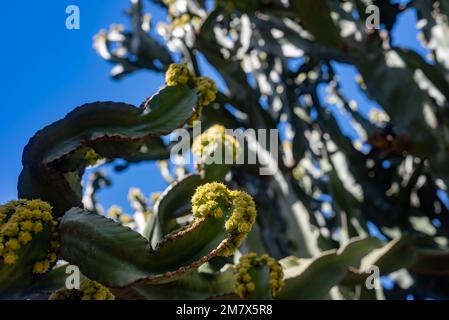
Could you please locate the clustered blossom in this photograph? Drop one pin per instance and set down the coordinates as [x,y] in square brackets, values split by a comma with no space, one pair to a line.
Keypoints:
[214,138]
[89,290]
[240,222]
[211,200]
[215,200]
[179,74]
[22,220]
[207,89]
[244,283]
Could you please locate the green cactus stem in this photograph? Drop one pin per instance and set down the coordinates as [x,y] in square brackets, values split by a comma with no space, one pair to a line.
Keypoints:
[179,74]
[56,157]
[116,256]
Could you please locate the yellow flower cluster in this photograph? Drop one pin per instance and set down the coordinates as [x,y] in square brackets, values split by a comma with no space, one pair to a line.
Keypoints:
[19,222]
[211,200]
[240,222]
[212,139]
[215,200]
[90,290]
[178,74]
[207,89]
[244,284]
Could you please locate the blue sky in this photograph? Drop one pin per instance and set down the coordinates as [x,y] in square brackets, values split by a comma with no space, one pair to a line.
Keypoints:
[47,70]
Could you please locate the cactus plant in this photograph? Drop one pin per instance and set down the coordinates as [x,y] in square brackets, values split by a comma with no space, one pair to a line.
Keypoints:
[223,217]
[224,230]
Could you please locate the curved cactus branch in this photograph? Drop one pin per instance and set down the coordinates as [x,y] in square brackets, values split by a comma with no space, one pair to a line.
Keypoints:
[116,256]
[417,254]
[54,159]
[172,203]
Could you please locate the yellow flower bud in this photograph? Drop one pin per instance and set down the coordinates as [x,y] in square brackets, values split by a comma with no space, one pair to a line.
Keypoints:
[211,140]
[25,217]
[215,200]
[39,267]
[37,227]
[207,90]
[10,258]
[26,225]
[11,229]
[210,199]
[13,244]
[250,287]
